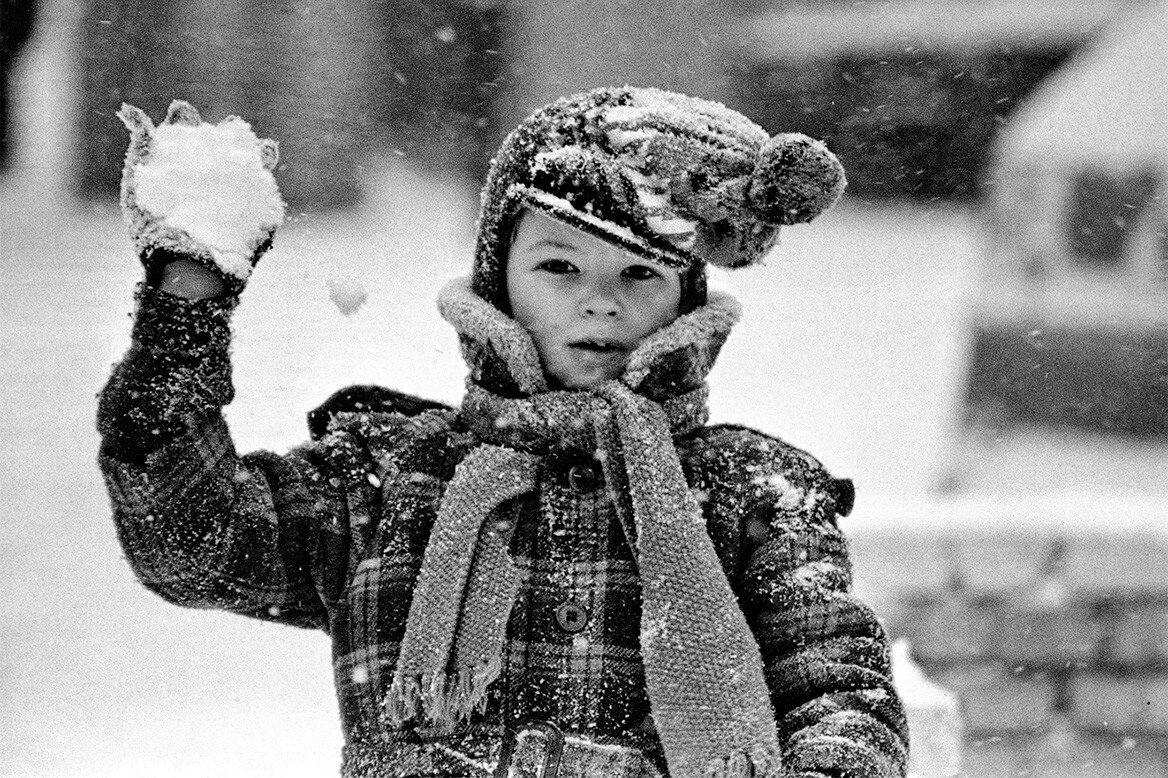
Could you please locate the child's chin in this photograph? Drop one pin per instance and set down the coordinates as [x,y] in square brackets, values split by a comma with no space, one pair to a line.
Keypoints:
[577,381]
[584,370]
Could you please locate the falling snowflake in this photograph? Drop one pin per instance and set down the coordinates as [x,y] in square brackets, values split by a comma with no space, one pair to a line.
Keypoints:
[347,295]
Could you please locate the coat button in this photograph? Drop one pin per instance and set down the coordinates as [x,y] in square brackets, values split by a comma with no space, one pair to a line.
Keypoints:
[571,617]
[583,477]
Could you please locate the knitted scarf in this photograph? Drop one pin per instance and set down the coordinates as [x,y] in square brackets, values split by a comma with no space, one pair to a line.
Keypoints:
[703,669]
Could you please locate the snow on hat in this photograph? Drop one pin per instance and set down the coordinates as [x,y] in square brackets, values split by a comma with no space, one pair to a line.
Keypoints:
[677,179]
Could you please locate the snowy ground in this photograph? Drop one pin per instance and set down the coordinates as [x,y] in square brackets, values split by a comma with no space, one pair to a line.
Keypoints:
[853,347]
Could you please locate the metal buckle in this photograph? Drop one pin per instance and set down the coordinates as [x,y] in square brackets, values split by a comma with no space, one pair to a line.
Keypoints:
[554,747]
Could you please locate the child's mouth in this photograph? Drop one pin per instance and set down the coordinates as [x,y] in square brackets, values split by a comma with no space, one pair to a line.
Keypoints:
[599,346]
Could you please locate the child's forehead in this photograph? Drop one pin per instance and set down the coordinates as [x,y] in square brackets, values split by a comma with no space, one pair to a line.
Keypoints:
[533,227]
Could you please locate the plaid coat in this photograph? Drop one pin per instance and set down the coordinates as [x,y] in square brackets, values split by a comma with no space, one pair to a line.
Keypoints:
[331,536]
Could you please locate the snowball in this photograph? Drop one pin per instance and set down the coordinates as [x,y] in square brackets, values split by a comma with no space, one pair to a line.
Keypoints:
[348,296]
[209,181]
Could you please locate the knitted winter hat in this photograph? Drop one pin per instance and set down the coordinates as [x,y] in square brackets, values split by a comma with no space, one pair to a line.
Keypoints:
[680,180]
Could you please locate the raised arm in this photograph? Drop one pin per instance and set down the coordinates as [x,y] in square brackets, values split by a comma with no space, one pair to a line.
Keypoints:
[262,535]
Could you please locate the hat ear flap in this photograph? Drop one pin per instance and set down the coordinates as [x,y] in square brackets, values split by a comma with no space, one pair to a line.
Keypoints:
[795,179]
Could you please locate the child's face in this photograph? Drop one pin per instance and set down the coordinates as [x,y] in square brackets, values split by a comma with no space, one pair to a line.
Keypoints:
[586,302]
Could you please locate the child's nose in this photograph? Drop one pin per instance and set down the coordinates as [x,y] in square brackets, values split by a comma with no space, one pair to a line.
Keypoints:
[600,303]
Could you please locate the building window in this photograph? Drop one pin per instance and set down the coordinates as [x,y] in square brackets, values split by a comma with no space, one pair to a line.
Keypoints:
[1105,210]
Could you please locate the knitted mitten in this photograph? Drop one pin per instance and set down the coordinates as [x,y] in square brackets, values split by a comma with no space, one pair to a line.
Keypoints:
[200,191]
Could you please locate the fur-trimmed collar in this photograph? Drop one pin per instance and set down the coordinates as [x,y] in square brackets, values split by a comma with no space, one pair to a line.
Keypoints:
[670,362]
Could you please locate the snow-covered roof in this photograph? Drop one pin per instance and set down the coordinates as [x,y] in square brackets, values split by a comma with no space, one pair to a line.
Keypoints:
[1109,104]
[906,26]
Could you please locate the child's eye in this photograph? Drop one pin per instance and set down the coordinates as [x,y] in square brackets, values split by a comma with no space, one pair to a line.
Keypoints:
[640,272]
[557,266]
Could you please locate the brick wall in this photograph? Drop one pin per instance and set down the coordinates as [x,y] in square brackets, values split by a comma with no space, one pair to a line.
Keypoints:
[1055,643]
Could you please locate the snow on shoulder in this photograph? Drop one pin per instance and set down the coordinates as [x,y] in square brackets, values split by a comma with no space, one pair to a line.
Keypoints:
[210,181]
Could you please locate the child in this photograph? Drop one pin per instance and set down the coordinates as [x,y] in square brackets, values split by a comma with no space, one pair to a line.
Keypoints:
[572,573]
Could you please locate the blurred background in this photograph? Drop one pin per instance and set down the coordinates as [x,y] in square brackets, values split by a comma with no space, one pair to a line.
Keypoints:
[977,334]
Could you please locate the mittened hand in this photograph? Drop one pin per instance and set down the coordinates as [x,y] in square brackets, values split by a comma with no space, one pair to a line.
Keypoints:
[200,191]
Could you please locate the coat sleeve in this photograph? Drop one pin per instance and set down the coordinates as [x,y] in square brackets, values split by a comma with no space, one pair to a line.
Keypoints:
[261,534]
[825,653]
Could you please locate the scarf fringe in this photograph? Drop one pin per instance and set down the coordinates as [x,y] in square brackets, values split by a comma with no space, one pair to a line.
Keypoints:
[761,762]
[442,700]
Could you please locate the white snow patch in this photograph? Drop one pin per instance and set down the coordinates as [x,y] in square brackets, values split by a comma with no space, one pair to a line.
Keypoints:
[789,496]
[665,107]
[812,573]
[619,139]
[680,231]
[561,204]
[209,181]
[934,717]
[656,627]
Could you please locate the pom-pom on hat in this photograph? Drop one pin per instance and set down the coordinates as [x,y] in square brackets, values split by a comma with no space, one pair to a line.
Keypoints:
[679,180]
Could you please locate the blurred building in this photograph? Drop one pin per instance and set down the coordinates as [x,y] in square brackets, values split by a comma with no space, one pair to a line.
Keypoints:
[438,75]
[334,82]
[559,48]
[1037,590]
[1053,635]
[298,73]
[1071,322]
[909,93]
[16,25]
